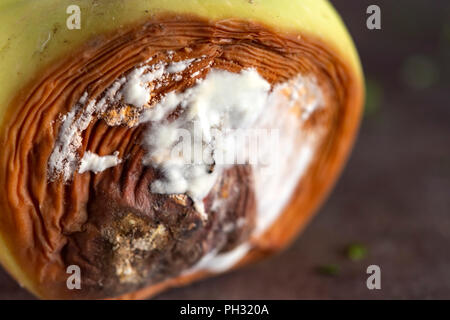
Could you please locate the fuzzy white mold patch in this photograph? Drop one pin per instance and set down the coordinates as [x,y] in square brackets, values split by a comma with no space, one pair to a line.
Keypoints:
[288,158]
[134,89]
[95,163]
[223,100]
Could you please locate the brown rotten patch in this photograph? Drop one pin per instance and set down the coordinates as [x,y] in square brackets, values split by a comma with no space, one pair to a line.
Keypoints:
[135,238]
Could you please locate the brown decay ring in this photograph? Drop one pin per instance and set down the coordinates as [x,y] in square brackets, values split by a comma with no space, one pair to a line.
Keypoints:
[51,224]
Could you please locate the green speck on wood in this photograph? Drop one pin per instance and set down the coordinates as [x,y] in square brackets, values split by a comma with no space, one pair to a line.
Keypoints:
[374,97]
[329,270]
[420,72]
[356,252]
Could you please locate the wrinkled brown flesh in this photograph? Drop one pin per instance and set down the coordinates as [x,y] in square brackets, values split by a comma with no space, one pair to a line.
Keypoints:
[49,225]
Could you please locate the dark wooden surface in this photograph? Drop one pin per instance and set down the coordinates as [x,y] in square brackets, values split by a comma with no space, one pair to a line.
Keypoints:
[394,196]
